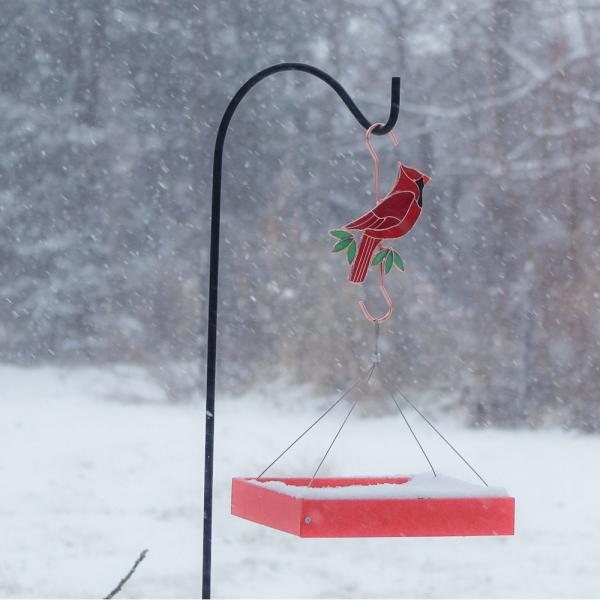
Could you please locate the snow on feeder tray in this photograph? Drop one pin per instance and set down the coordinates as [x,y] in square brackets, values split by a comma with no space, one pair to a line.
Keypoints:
[419,505]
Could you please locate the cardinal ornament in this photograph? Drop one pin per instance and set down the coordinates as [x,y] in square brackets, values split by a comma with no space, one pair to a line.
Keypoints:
[391,218]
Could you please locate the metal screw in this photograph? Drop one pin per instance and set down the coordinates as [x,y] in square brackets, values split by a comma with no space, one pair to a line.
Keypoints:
[307,520]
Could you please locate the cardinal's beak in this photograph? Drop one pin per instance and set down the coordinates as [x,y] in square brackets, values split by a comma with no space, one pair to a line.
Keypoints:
[426,180]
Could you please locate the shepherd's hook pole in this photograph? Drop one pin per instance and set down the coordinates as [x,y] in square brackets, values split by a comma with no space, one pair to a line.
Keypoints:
[211,351]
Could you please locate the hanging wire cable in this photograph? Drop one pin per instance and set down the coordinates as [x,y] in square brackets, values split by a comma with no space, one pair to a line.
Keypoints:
[335,437]
[411,430]
[439,433]
[376,358]
[344,394]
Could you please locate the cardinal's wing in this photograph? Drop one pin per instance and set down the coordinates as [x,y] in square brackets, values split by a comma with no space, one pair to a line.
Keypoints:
[395,206]
[369,219]
[394,227]
[382,229]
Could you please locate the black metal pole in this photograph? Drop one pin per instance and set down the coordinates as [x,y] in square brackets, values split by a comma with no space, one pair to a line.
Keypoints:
[215,225]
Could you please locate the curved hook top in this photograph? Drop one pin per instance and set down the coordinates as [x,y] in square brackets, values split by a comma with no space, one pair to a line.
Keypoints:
[329,80]
[380,129]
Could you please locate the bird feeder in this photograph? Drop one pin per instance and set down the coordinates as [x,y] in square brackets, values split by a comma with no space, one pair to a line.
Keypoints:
[353,507]
[411,506]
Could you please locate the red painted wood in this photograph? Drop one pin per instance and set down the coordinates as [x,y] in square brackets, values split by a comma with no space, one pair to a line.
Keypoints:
[265,506]
[408,517]
[400,517]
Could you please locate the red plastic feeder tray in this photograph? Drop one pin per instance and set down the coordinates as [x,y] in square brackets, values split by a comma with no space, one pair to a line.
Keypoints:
[374,506]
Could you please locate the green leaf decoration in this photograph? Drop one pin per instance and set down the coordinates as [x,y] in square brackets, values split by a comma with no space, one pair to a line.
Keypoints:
[389,262]
[351,252]
[340,233]
[379,257]
[398,261]
[342,244]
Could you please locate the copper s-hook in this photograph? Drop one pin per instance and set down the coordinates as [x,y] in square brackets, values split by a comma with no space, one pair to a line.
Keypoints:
[387,298]
[378,199]
[376,158]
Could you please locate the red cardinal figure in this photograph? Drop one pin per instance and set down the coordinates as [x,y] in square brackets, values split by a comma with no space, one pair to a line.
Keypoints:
[392,218]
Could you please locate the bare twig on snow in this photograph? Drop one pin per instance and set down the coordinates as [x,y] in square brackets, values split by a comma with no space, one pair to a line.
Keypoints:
[125,579]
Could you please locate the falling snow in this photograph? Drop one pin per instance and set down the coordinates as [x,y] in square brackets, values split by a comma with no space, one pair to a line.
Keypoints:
[109,115]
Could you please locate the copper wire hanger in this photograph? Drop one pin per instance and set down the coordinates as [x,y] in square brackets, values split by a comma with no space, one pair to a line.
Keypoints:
[378,199]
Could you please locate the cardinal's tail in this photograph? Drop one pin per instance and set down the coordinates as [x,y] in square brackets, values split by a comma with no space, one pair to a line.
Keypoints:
[361,263]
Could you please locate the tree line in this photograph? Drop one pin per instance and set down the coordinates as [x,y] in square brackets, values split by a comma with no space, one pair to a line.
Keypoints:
[110,109]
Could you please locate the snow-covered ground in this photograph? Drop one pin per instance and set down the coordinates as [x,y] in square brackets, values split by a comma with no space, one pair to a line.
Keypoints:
[94,468]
